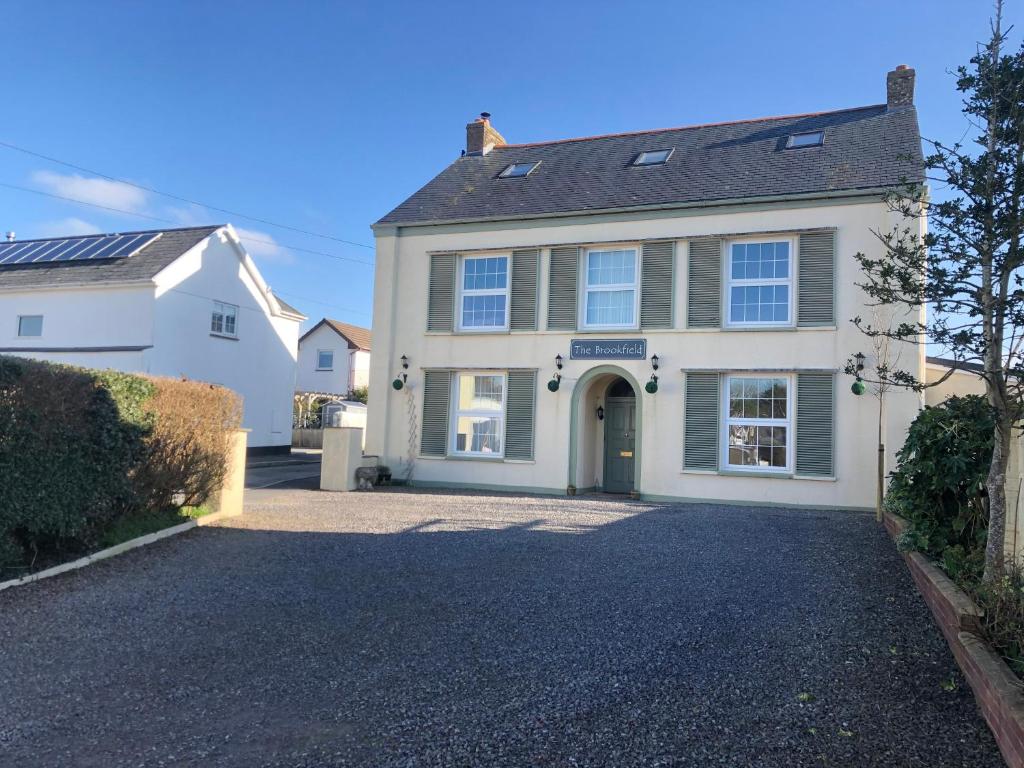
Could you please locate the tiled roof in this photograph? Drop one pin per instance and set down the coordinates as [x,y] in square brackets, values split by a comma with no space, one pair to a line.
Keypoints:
[864,148]
[356,336]
[145,264]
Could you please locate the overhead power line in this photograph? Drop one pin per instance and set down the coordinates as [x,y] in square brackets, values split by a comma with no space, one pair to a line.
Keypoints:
[84,202]
[169,221]
[180,199]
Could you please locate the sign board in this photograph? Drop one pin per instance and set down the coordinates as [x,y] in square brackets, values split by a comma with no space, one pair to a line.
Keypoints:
[608,349]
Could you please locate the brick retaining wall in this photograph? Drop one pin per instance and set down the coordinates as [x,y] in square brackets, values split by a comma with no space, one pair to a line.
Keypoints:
[998,692]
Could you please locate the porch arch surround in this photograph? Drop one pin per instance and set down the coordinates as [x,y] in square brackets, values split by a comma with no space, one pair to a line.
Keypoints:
[597,379]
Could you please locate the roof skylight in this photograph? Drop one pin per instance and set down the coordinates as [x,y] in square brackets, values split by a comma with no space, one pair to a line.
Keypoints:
[810,139]
[653,157]
[518,170]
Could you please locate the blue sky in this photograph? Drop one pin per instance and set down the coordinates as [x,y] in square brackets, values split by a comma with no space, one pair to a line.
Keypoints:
[324,115]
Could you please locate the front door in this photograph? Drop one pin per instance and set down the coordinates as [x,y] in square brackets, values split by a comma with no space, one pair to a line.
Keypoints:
[619,444]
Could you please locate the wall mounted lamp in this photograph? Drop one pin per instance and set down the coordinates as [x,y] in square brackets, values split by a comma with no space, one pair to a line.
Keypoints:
[403,377]
[600,413]
[654,362]
[558,362]
[858,387]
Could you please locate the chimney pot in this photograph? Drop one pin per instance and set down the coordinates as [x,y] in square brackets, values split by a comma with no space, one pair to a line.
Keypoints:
[481,137]
[899,86]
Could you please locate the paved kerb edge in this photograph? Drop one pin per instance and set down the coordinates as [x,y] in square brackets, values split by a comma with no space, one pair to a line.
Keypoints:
[117,549]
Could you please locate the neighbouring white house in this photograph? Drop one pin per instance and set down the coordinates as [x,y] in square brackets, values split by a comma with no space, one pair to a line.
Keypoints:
[664,313]
[334,358]
[173,302]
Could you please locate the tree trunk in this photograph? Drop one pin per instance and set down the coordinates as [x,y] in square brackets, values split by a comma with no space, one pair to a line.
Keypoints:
[996,486]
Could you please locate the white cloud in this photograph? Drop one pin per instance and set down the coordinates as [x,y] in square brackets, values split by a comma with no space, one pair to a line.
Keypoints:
[261,245]
[113,194]
[69,227]
[190,215]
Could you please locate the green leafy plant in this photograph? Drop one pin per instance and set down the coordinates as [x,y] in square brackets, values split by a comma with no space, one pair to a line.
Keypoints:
[939,484]
[358,394]
[84,452]
[1002,622]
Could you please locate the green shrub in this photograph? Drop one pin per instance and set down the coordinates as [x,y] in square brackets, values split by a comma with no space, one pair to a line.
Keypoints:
[939,484]
[81,450]
[358,394]
[1002,622]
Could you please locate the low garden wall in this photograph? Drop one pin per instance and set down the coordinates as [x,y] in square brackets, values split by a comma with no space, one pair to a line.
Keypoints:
[91,458]
[997,690]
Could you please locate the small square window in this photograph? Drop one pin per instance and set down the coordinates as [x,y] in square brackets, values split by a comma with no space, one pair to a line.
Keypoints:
[325,360]
[653,157]
[30,325]
[223,321]
[518,170]
[811,139]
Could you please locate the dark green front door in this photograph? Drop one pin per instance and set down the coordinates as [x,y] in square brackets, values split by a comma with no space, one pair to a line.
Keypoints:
[619,444]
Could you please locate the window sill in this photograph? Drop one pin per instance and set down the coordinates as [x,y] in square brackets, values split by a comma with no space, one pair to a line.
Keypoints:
[223,336]
[787,475]
[485,459]
[462,457]
[322,370]
[739,473]
[759,475]
[614,329]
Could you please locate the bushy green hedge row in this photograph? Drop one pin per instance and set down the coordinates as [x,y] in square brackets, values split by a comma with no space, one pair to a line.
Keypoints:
[939,484]
[83,449]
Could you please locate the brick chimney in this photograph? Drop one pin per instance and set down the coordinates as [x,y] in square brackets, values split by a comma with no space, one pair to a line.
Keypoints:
[899,86]
[481,137]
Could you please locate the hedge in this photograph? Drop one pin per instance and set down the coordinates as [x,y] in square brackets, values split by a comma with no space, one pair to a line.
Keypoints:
[81,450]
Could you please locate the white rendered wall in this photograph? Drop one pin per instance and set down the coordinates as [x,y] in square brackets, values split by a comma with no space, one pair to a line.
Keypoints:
[400,311]
[360,368]
[259,365]
[80,317]
[334,381]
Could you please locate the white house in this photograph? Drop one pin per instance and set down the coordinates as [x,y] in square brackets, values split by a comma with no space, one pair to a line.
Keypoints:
[173,302]
[334,358]
[664,313]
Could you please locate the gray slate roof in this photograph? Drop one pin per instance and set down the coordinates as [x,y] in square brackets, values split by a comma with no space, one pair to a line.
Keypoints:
[144,265]
[865,148]
[286,306]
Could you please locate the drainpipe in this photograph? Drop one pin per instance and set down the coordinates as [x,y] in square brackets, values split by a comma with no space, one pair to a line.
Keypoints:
[392,320]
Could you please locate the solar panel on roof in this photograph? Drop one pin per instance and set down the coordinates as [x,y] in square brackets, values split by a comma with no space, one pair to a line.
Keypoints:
[88,248]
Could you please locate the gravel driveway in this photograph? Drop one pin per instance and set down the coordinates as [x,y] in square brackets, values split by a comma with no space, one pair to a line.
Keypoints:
[424,629]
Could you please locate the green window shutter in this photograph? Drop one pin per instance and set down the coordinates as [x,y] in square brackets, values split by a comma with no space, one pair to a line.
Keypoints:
[441,301]
[565,267]
[815,426]
[700,449]
[704,284]
[437,389]
[816,288]
[656,289]
[520,403]
[523,296]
